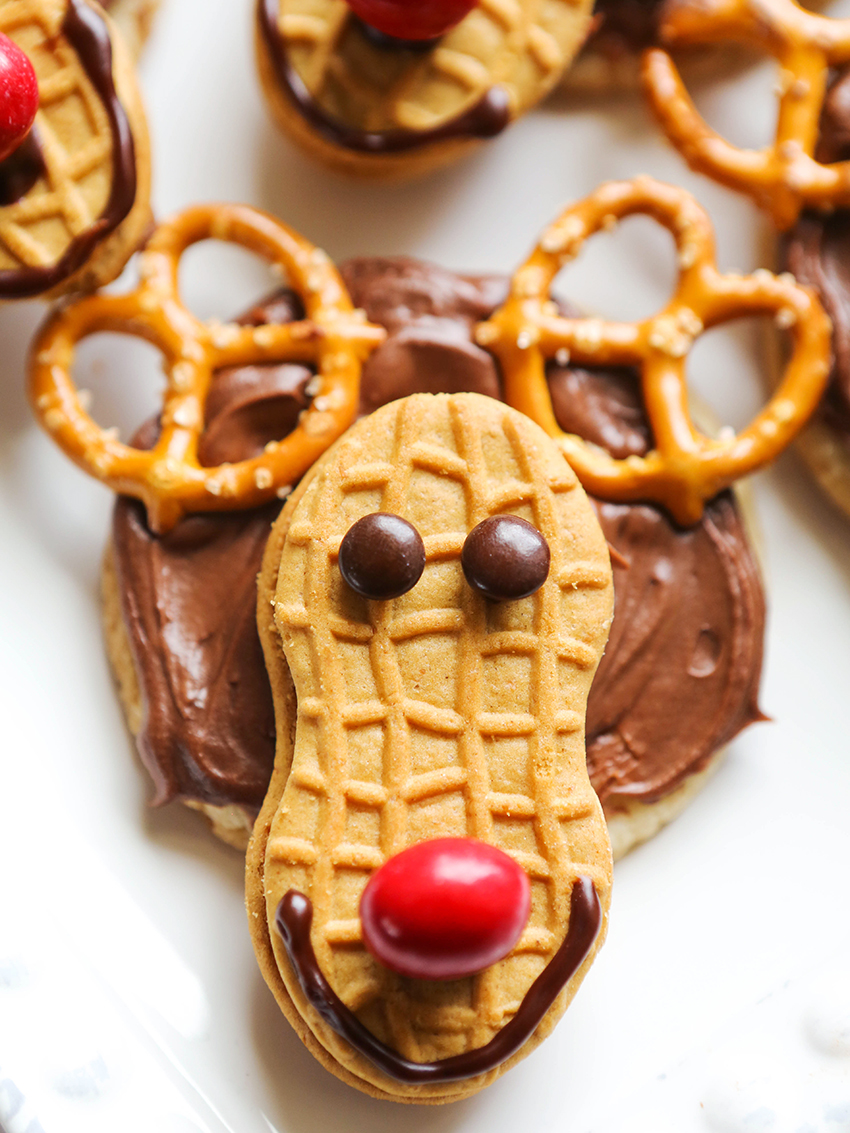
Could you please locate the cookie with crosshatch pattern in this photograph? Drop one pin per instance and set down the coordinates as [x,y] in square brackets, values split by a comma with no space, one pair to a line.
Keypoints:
[74,197]
[373,107]
[438,713]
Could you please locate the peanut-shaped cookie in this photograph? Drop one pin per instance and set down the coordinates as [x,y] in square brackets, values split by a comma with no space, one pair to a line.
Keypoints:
[439,713]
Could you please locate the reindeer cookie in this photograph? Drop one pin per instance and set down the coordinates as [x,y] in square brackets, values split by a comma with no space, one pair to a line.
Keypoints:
[449,74]
[74,189]
[439,713]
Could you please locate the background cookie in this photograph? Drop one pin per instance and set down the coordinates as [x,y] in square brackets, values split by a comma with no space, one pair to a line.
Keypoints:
[609,62]
[77,191]
[372,110]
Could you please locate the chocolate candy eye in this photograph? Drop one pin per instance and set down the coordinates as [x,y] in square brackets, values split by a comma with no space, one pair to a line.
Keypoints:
[382,556]
[505,558]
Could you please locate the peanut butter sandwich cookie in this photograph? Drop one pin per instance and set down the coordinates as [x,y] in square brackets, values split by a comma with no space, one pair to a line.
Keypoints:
[388,89]
[434,600]
[74,155]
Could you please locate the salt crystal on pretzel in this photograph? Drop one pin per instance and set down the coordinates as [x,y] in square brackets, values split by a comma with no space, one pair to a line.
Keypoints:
[685,468]
[784,177]
[169,478]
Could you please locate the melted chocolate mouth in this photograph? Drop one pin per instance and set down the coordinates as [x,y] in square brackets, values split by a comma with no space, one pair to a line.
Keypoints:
[293,921]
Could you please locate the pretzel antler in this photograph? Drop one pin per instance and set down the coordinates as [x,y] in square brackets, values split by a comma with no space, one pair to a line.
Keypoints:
[169,479]
[685,468]
[784,177]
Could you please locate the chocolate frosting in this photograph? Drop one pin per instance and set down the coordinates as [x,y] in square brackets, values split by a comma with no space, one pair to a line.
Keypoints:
[484,119]
[681,672]
[817,252]
[88,35]
[623,28]
[634,21]
[293,920]
[21,169]
[189,603]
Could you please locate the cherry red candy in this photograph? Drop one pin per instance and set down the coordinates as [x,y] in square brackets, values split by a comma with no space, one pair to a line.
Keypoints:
[18,96]
[412,19]
[444,909]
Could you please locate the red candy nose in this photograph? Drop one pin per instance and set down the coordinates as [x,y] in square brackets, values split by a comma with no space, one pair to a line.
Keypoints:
[18,96]
[445,909]
[412,19]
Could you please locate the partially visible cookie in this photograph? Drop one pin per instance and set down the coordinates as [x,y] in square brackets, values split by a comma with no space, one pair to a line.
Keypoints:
[435,714]
[74,196]
[384,109]
[133,19]
[609,61]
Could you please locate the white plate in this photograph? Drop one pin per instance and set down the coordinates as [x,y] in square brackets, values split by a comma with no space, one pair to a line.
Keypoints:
[129,995]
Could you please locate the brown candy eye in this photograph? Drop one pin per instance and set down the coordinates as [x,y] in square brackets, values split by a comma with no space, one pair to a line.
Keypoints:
[382,556]
[505,558]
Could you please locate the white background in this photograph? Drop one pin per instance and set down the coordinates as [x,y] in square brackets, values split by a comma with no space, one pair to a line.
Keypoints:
[129,994]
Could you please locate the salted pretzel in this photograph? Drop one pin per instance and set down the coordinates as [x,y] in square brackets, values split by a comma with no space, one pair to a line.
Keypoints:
[334,337]
[784,177]
[685,468]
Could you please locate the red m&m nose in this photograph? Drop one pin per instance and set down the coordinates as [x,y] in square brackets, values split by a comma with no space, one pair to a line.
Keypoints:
[18,96]
[445,909]
[412,19]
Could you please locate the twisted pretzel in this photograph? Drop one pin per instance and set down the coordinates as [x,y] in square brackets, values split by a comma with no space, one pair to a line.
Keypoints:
[684,468]
[333,337]
[784,177]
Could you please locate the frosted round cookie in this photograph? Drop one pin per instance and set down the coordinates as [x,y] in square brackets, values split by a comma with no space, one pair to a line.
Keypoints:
[667,698]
